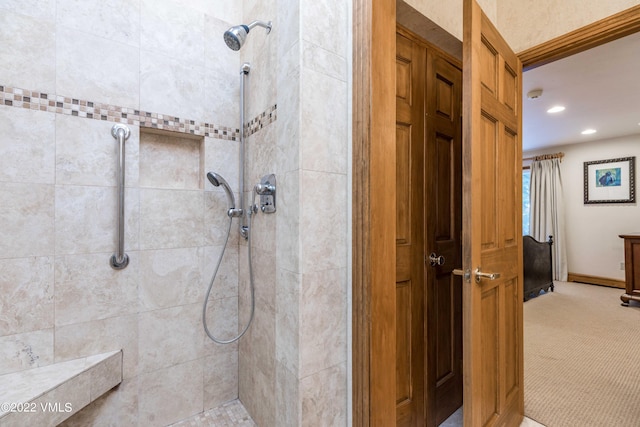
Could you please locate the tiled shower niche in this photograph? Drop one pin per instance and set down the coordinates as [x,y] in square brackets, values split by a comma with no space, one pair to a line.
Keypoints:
[170,160]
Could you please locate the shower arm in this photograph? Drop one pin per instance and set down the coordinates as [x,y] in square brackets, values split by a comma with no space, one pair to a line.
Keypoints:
[262,24]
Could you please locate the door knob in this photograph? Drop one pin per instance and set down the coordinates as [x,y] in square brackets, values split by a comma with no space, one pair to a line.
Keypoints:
[466,274]
[480,275]
[436,260]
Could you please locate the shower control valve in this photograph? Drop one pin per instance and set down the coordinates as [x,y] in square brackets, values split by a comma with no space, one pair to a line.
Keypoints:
[266,189]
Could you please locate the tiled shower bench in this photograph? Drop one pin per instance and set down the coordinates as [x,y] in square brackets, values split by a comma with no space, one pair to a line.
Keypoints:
[48,395]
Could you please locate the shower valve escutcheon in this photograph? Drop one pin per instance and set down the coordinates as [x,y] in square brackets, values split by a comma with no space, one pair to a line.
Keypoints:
[266,189]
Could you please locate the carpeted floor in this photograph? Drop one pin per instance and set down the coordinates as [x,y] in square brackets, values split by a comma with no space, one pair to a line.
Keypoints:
[582,358]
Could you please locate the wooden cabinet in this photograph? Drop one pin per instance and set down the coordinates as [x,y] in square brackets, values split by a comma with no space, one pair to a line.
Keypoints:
[632,267]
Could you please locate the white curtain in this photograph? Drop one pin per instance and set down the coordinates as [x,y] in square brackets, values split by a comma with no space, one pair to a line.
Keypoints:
[547,211]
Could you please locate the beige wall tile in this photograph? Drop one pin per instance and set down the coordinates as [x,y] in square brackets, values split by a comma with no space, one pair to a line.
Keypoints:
[26,215]
[99,18]
[222,68]
[169,28]
[322,142]
[324,396]
[289,124]
[264,230]
[170,336]
[170,277]
[27,58]
[323,61]
[118,407]
[260,85]
[262,48]
[87,153]
[330,32]
[171,86]
[27,156]
[288,25]
[223,9]
[100,336]
[86,219]
[222,321]
[222,157]
[288,222]
[256,392]
[42,9]
[288,320]
[261,155]
[226,280]
[258,350]
[112,76]
[171,218]
[323,226]
[257,367]
[26,301]
[171,394]
[288,404]
[25,351]
[220,378]
[264,271]
[87,288]
[323,321]
[216,221]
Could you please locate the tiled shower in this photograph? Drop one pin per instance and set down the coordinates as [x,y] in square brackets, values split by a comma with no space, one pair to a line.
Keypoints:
[69,71]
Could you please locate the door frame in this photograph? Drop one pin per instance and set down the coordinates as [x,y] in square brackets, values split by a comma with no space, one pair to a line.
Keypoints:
[373,190]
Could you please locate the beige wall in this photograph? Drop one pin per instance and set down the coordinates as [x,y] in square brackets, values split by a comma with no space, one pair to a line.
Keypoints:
[524,23]
[448,14]
[527,23]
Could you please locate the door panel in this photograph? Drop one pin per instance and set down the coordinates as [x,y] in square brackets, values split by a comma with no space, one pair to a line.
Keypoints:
[492,234]
[409,235]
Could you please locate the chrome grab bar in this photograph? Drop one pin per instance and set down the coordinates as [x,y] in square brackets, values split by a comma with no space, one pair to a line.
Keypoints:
[120,259]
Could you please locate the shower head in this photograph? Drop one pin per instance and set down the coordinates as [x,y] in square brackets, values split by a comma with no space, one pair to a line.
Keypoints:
[235,36]
[217,181]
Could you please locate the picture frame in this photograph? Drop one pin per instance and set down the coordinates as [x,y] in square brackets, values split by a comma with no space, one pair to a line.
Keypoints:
[610,181]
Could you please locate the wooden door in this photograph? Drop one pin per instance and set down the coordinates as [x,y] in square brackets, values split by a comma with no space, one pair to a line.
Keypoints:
[443,210]
[492,230]
[410,62]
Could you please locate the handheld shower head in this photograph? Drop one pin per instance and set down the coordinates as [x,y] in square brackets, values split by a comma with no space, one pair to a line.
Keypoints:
[217,181]
[235,36]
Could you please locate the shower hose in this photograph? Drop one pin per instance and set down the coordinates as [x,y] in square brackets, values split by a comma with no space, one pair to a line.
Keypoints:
[215,273]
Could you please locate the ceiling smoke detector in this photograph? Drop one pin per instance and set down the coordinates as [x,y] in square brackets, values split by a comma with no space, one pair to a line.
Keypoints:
[534,94]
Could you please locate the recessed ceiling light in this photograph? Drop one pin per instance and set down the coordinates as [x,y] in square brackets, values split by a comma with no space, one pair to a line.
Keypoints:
[588,131]
[555,109]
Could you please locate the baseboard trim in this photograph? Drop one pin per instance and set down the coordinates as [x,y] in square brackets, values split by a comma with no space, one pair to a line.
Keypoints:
[595,280]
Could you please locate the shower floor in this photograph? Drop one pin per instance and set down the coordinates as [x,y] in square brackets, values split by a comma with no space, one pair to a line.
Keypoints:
[230,414]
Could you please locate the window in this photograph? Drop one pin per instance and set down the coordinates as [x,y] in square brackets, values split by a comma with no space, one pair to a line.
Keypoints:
[526,181]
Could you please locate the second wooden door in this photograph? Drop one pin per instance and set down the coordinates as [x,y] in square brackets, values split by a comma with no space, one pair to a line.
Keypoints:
[428,206]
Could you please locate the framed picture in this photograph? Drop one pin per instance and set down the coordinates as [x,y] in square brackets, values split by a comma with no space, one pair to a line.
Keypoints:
[610,181]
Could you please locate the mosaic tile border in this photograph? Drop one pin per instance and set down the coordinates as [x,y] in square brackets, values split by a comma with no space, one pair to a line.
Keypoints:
[266,118]
[52,103]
